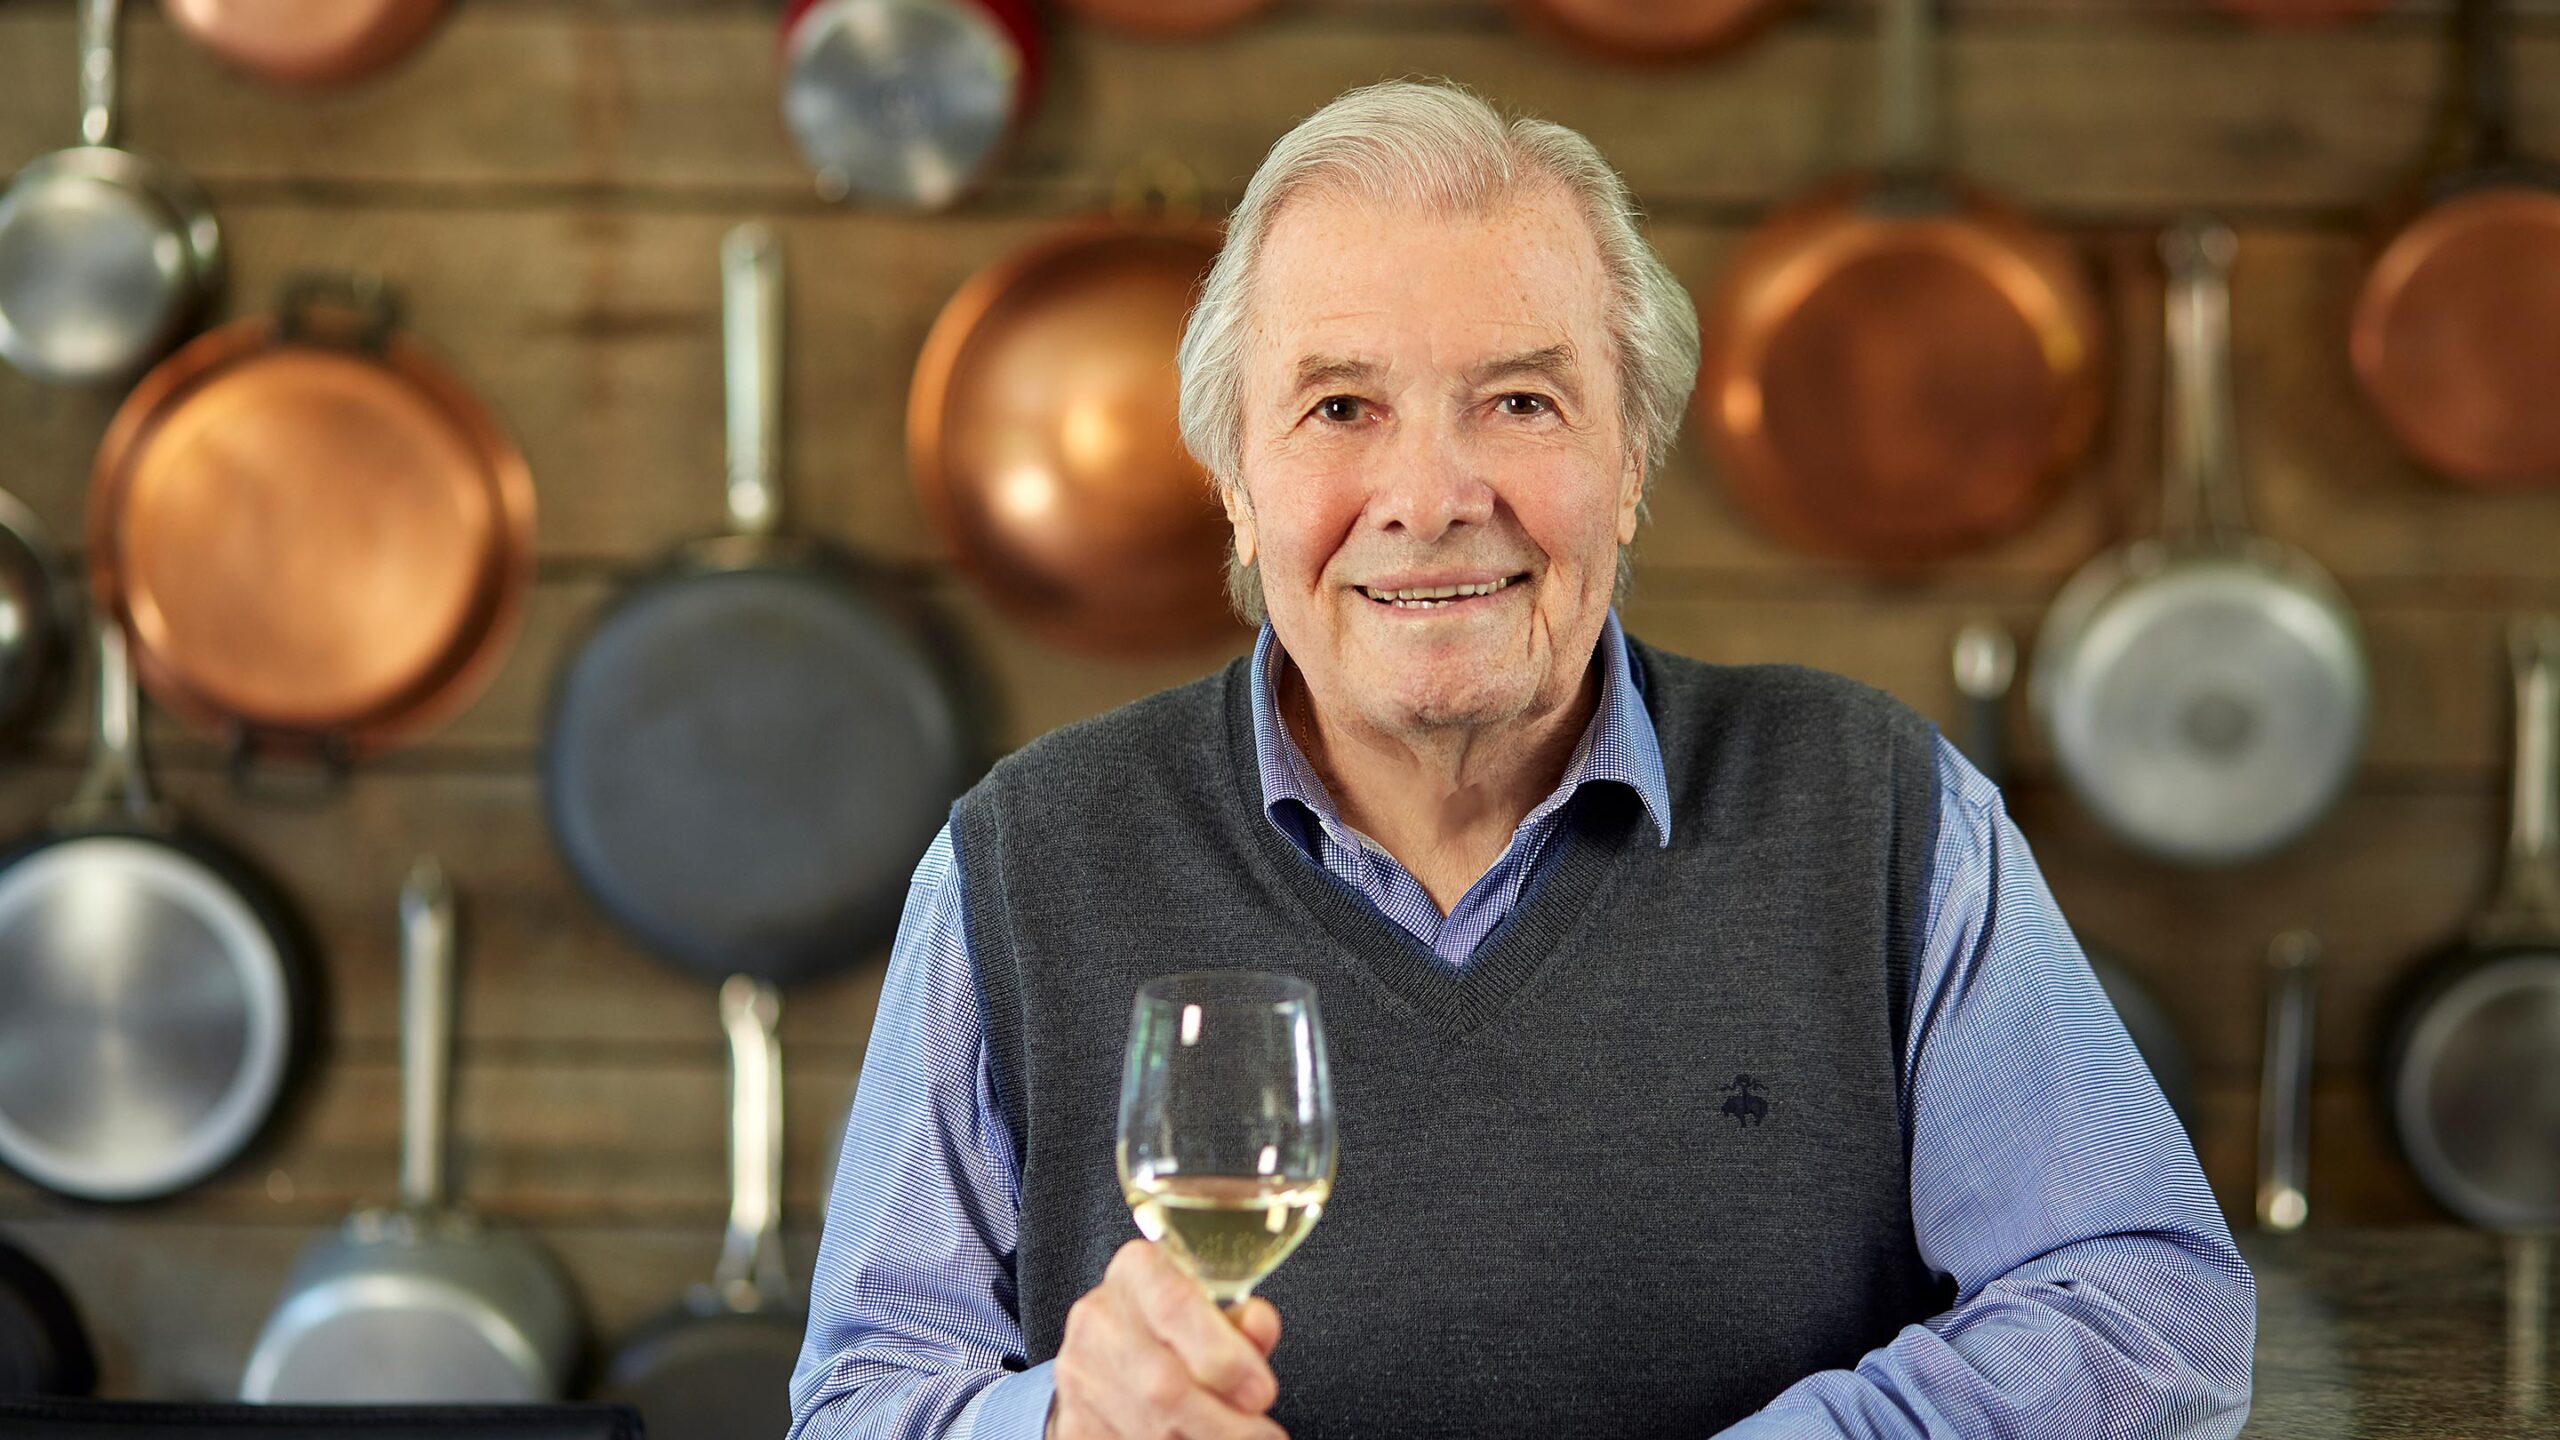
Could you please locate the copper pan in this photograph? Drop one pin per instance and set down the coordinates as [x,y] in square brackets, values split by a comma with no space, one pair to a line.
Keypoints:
[2456,335]
[2299,14]
[306,43]
[1168,19]
[1899,368]
[1041,430]
[319,539]
[1651,30]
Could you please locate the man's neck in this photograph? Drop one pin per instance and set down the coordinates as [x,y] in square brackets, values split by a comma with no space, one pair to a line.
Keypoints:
[1444,802]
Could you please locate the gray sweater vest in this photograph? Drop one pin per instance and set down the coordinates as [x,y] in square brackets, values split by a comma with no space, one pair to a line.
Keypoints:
[1560,1208]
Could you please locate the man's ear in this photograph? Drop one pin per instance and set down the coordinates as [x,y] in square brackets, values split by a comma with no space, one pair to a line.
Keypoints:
[1239,515]
[1631,495]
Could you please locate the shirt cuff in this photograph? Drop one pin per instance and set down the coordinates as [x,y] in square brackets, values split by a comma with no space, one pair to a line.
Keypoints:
[1013,1408]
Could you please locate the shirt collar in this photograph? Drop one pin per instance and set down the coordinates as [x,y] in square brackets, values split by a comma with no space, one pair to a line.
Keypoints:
[1619,746]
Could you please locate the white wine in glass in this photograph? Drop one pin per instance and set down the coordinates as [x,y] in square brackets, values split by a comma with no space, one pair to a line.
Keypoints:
[1226,1147]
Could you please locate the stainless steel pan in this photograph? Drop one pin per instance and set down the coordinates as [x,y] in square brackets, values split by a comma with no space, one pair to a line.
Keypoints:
[2472,1065]
[106,256]
[2284,1085]
[425,1302]
[124,936]
[2204,692]
[33,637]
[1986,667]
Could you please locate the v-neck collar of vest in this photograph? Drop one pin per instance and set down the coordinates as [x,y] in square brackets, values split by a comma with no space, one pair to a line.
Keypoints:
[1604,831]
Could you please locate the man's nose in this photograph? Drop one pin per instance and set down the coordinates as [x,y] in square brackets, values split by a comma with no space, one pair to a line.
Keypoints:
[1427,486]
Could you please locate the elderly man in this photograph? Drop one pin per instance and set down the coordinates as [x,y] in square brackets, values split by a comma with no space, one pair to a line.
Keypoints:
[1560,891]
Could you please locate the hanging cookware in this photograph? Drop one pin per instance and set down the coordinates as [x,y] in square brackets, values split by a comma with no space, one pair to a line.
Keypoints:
[2204,692]
[2284,1083]
[906,103]
[2299,14]
[1986,667]
[2456,336]
[2471,1074]
[319,537]
[1042,433]
[745,758]
[123,936]
[719,1365]
[33,632]
[1899,368]
[1168,19]
[424,1302]
[106,256]
[306,43]
[44,1349]
[1652,30]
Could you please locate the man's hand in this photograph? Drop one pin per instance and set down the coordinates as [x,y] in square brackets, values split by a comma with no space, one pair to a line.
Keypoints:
[1146,1355]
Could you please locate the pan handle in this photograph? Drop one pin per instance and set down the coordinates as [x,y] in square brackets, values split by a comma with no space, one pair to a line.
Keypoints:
[2488,84]
[751,336]
[751,1275]
[427,914]
[308,296]
[98,71]
[1908,104]
[1986,665]
[117,782]
[2284,1094]
[2203,494]
[2529,899]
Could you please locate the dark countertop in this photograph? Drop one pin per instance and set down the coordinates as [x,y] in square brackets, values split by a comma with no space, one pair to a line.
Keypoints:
[2401,1333]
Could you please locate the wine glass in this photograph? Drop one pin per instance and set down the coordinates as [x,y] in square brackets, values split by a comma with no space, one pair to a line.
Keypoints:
[1226,1146]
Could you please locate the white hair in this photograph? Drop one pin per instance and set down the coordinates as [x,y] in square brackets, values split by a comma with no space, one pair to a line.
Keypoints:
[1442,147]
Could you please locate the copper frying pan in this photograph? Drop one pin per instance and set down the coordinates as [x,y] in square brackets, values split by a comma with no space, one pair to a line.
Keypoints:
[318,537]
[1041,430]
[2456,335]
[1897,367]
[1168,19]
[1652,30]
[306,43]
[2300,13]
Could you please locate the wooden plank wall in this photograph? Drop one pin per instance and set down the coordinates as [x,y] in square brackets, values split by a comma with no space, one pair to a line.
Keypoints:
[546,183]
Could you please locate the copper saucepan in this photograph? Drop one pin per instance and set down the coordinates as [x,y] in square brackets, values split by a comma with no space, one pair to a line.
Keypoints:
[2456,334]
[1041,429]
[1898,368]
[1168,19]
[319,538]
[306,44]
[1652,30]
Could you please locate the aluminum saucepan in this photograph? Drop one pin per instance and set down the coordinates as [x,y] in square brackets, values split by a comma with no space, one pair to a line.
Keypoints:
[106,256]
[425,1302]
[2204,693]
[906,103]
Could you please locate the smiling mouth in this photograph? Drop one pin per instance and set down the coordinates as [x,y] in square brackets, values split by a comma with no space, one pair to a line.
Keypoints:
[1439,597]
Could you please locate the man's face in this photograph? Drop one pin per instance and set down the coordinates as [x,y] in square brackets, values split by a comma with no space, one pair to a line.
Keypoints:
[1434,403]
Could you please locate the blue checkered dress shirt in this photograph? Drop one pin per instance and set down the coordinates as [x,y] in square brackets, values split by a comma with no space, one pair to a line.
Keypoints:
[2098,1291]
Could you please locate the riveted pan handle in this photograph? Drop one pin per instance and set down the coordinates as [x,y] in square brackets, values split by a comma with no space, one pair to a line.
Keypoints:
[1986,666]
[427,915]
[2528,903]
[117,784]
[2284,1097]
[751,1274]
[751,336]
[98,71]
[2203,496]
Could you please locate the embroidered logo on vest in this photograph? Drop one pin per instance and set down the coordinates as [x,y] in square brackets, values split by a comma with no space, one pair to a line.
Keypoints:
[1745,1106]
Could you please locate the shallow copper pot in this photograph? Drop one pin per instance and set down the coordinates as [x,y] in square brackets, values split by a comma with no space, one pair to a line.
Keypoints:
[306,43]
[1652,30]
[318,537]
[1168,19]
[1042,433]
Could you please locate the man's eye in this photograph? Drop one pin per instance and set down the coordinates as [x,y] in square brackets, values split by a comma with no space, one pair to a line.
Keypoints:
[1338,408]
[1538,403]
